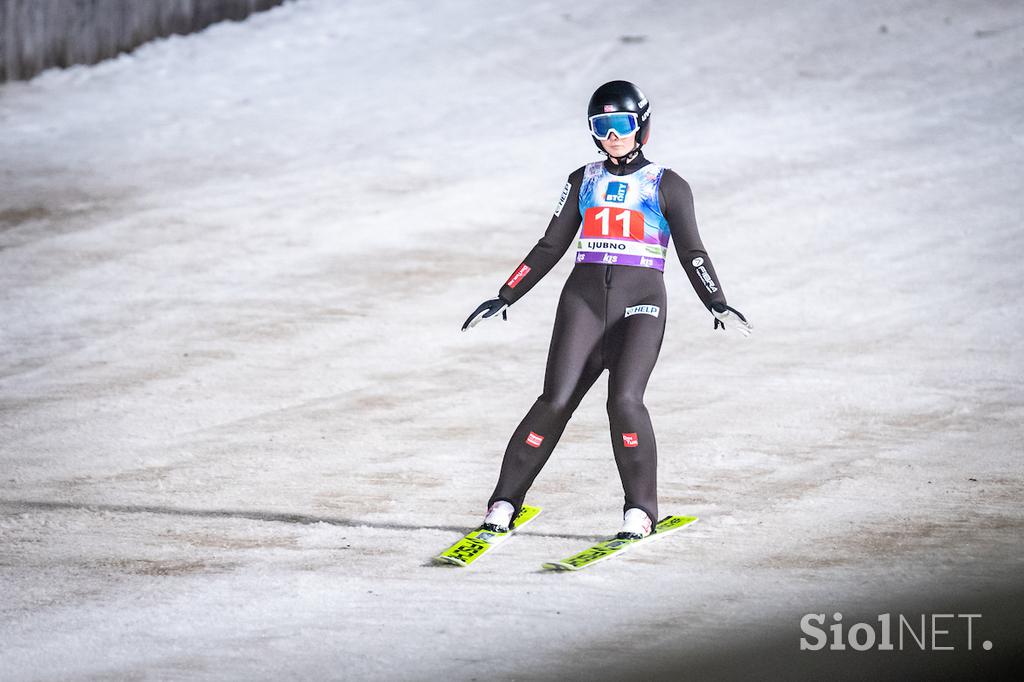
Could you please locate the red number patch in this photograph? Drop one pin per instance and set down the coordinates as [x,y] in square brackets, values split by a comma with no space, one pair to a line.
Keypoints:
[618,223]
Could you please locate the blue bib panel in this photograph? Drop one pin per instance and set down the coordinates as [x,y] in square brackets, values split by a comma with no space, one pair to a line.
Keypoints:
[622,221]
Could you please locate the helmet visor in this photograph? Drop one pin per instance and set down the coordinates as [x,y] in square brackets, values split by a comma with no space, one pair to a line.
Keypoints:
[622,123]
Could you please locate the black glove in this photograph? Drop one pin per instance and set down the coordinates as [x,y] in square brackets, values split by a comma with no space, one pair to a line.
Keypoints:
[724,313]
[485,310]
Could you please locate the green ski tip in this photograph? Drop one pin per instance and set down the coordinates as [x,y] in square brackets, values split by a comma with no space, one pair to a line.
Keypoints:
[613,547]
[478,542]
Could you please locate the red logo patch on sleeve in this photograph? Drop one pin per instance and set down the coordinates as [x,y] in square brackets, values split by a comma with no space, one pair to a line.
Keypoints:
[517,276]
[534,439]
[630,440]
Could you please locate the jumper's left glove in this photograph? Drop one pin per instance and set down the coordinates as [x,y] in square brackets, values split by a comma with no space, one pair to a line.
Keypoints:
[724,313]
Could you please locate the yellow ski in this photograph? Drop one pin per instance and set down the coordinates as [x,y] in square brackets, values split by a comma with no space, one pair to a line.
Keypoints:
[480,541]
[609,548]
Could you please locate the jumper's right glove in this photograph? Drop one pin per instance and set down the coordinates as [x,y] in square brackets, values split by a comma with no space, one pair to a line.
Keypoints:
[724,313]
[485,310]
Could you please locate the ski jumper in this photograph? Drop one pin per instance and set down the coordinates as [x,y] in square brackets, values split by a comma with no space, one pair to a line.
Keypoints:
[611,315]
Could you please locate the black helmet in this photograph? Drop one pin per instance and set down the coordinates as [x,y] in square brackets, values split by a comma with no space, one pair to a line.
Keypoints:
[622,96]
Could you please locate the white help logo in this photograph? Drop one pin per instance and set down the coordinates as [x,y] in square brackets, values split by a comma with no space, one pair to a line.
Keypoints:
[562,198]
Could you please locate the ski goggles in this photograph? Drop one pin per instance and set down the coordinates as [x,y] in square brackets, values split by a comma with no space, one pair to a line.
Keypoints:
[622,124]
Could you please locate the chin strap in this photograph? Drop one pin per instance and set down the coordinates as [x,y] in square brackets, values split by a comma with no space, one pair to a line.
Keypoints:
[629,156]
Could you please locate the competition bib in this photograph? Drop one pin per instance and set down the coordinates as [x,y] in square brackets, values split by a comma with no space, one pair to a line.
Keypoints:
[622,222]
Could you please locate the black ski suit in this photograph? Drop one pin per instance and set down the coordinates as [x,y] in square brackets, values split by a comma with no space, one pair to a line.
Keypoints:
[597,327]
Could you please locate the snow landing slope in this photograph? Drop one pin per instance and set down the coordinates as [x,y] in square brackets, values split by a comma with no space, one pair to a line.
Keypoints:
[237,416]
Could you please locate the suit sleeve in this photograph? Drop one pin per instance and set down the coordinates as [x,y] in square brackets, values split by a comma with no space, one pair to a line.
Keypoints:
[552,246]
[677,206]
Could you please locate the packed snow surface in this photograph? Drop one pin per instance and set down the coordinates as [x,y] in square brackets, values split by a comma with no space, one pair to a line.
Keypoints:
[238,417]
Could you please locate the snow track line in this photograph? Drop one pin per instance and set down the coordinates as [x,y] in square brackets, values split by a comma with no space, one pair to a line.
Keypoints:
[253,515]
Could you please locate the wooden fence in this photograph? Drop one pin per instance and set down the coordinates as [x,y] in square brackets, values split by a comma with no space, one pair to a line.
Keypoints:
[39,34]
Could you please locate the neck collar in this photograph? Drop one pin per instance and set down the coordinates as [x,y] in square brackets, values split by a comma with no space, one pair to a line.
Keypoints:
[630,163]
